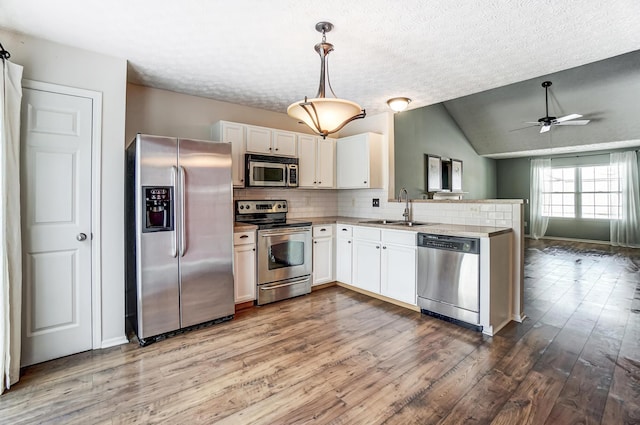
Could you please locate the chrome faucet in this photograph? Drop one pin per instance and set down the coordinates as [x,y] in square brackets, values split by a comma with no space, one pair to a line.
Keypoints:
[407,213]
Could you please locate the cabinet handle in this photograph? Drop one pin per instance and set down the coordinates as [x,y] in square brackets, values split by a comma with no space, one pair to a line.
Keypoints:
[323,230]
[276,148]
[377,247]
[244,236]
[319,182]
[315,241]
[384,247]
[365,182]
[254,250]
[348,241]
[269,148]
[344,230]
[314,182]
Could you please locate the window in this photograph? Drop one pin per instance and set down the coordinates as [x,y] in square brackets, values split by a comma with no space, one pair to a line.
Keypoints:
[589,192]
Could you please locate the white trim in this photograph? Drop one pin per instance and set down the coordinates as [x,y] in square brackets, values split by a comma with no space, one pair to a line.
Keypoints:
[112,342]
[96,203]
[558,238]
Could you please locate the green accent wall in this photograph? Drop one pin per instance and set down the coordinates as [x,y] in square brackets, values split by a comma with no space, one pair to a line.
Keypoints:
[431,130]
[513,181]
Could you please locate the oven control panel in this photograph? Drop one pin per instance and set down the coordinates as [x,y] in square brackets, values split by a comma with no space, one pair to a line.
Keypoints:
[262,206]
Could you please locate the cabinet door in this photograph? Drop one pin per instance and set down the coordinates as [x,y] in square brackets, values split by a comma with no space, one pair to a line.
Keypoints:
[322,260]
[352,157]
[366,265]
[306,161]
[233,133]
[244,270]
[284,143]
[325,163]
[343,260]
[258,140]
[398,273]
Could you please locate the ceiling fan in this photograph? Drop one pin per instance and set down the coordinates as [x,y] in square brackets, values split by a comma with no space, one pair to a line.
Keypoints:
[546,122]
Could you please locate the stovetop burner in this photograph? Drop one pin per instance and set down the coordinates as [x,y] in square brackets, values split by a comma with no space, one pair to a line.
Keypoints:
[266,214]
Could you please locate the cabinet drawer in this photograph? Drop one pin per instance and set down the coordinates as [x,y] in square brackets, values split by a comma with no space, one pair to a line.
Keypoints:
[367,233]
[344,230]
[399,237]
[320,231]
[243,238]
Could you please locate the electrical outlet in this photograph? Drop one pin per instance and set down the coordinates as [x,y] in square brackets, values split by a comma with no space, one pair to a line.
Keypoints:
[376,202]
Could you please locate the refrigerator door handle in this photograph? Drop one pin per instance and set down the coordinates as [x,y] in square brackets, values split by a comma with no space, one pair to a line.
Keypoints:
[183,233]
[174,241]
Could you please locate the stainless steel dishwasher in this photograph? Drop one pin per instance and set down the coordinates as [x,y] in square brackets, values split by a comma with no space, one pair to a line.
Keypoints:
[449,278]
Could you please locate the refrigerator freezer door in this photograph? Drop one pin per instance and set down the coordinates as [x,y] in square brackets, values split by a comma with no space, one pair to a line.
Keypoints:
[157,290]
[206,235]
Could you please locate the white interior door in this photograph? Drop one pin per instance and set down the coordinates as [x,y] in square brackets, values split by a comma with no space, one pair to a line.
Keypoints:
[56,140]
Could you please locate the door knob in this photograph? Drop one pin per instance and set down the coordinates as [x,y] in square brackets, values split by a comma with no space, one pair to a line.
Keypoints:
[81,237]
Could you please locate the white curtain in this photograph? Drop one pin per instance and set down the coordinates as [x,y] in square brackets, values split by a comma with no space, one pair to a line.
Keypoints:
[540,188]
[625,231]
[10,245]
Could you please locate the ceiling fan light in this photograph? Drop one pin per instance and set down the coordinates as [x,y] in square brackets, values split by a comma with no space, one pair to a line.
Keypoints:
[398,104]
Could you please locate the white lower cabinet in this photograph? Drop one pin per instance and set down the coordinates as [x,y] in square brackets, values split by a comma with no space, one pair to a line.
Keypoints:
[344,253]
[244,266]
[366,265]
[323,254]
[384,262]
[398,272]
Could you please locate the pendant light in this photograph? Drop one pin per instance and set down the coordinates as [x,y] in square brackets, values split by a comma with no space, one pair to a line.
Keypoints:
[325,115]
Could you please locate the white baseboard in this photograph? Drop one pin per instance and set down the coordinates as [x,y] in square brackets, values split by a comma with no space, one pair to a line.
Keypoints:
[106,343]
[558,238]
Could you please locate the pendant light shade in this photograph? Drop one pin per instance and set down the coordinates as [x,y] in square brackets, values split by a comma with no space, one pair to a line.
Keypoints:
[325,115]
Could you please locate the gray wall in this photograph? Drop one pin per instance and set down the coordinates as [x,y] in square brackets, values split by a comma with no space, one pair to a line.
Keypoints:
[513,176]
[432,130]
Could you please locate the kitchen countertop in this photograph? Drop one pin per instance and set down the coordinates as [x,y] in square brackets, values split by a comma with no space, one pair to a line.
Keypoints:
[437,228]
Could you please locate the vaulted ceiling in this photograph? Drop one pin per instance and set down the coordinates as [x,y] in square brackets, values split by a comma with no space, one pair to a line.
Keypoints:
[260,53]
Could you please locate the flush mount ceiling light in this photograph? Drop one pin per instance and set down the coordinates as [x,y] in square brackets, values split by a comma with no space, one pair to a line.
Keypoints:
[398,104]
[325,115]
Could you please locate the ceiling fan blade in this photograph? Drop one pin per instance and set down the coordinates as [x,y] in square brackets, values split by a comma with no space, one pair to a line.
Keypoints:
[567,118]
[545,128]
[574,122]
[522,128]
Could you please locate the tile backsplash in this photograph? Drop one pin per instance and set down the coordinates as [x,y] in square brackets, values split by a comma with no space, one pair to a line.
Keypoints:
[358,203]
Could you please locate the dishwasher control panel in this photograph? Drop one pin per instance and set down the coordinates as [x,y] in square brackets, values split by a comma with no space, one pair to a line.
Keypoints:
[449,243]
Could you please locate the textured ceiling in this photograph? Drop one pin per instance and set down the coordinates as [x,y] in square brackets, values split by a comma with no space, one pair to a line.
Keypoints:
[260,53]
[604,92]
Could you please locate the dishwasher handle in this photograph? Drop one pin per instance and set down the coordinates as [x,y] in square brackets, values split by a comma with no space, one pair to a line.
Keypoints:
[449,243]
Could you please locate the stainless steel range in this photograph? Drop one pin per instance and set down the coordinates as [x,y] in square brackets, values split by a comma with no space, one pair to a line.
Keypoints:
[283,249]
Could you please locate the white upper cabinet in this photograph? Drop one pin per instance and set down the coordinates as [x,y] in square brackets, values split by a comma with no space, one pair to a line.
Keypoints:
[233,133]
[284,143]
[259,140]
[359,161]
[316,162]
[271,142]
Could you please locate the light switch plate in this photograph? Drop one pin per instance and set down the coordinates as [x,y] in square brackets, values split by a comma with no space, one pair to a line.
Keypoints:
[376,202]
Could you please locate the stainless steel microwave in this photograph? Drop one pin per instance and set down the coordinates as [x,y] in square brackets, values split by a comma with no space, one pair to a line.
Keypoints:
[270,171]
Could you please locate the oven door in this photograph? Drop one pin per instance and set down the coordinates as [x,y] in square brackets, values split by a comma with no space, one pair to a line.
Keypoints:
[283,253]
[266,174]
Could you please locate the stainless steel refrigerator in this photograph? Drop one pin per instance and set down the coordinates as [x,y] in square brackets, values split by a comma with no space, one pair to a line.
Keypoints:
[179,241]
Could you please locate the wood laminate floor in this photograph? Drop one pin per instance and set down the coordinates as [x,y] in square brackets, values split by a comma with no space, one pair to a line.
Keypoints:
[340,357]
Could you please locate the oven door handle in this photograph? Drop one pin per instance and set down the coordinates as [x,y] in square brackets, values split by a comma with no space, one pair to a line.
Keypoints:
[282,285]
[267,233]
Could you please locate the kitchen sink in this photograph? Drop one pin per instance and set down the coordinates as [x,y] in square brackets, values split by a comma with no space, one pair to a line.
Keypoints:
[398,223]
[382,222]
